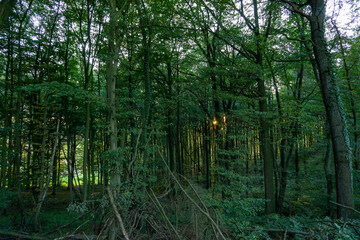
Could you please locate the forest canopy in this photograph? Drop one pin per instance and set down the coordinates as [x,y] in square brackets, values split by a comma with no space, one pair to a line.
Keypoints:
[179,119]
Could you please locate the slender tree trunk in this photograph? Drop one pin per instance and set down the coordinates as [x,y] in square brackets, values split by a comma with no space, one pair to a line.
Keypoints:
[177,135]
[55,173]
[170,127]
[207,153]
[111,69]
[86,150]
[44,189]
[146,41]
[69,162]
[327,170]
[92,156]
[18,151]
[7,122]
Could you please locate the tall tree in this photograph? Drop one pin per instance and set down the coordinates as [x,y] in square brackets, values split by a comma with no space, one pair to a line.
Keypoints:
[333,105]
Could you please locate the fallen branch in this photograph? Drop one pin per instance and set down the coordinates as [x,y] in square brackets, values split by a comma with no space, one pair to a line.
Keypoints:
[44,189]
[162,211]
[344,206]
[21,235]
[67,224]
[76,237]
[206,214]
[282,230]
[107,224]
[117,214]
[199,198]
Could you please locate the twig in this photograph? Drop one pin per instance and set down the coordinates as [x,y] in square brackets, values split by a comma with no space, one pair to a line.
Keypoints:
[344,206]
[45,188]
[80,226]
[76,236]
[67,224]
[21,235]
[108,223]
[158,204]
[117,214]
[197,195]
[280,230]
[193,201]
[164,194]
[136,151]
[85,236]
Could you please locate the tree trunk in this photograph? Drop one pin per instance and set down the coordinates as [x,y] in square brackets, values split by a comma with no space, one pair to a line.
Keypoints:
[69,162]
[86,149]
[334,111]
[327,170]
[177,137]
[170,128]
[7,117]
[111,69]
[44,189]
[146,41]
[265,142]
[352,100]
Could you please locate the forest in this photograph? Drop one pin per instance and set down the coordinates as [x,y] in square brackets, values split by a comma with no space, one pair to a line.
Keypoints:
[179,119]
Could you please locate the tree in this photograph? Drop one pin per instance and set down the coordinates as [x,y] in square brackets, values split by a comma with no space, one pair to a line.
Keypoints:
[6,8]
[333,105]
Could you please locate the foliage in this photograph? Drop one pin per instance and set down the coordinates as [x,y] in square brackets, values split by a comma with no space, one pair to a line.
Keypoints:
[203,118]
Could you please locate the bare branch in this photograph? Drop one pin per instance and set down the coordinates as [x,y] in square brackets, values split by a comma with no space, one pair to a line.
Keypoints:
[294,7]
[117,214]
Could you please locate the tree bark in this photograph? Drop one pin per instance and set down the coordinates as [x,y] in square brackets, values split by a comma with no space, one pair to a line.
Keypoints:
[352,100]
[146,41]
[264,123]
[334,111]
[327,170]
[111,69]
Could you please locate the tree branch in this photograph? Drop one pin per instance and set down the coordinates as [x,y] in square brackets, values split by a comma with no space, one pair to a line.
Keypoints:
[117,214]
[295,7]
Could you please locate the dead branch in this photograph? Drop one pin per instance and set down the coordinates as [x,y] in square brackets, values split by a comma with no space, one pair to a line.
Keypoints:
[344,206]
[21,235]
[67,224]
[117,214]
[193,201]
[162,211]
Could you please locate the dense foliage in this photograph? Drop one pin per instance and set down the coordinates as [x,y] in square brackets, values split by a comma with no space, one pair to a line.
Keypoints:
[191,119]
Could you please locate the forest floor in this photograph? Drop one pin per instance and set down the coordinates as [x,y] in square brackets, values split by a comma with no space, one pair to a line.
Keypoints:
[305,213]
[55,219]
